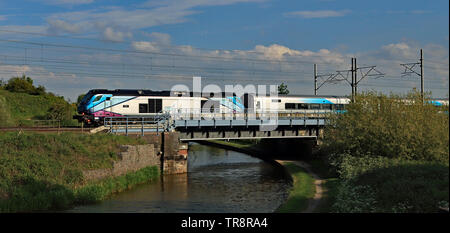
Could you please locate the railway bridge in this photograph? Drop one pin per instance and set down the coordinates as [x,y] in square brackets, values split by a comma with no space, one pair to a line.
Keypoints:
[172,132]
[221,126]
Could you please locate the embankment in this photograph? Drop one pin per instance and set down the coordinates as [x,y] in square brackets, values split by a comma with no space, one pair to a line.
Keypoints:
[22,109]
[56,171]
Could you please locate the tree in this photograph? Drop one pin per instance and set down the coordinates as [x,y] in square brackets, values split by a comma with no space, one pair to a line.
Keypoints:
[24,85]
[80,97]
[59,110]
[282,89]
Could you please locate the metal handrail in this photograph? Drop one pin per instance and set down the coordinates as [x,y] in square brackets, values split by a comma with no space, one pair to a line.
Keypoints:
[165,121]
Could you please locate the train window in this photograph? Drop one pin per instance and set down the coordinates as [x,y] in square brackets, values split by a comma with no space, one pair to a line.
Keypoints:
[276,100]
[143,108]
[108,98]
[258,104]
[302,106]
[326,106]
[98,98]
[125,106]
[214,106]
[289,106]
[154,105]
[314,106]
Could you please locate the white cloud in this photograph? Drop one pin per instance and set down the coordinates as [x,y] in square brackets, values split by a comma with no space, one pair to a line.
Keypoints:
[161,38]
[398,50]
[145,46]
[37,72]
[389,57]
[22,28]
[117,36]
[317,14]
[146,15]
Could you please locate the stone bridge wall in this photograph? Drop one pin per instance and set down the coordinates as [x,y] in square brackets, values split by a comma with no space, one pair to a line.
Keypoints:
[132,158]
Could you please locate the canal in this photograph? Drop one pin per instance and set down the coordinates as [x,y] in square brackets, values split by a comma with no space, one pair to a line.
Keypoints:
[218,181]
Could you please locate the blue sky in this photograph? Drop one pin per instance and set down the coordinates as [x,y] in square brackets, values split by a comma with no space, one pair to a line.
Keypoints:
[327,32]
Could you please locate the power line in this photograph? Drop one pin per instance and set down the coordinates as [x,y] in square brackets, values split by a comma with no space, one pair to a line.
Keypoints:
[159,44]
[409,69]
[158,53]
[115,65]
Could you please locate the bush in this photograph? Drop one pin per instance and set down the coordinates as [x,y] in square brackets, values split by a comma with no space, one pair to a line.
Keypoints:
[24,85]
[391,154]
[378,125]
[379,184]
[61,111]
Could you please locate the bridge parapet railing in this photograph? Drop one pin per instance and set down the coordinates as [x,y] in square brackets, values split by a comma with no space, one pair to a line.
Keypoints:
[158,122]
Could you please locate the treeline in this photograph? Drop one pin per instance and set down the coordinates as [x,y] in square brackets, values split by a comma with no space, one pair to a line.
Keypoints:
[391,154]
[21,102]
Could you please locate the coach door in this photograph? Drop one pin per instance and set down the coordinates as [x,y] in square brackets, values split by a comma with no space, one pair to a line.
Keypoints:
[154,105]
[249,103]
[108,107]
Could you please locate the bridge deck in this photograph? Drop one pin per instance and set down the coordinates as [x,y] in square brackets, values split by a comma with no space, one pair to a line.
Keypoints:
[203,128]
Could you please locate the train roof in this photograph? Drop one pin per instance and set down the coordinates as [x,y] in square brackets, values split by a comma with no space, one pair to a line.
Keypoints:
[144,92]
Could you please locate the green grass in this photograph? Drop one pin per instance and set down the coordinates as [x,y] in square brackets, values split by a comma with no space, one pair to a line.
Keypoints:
[100,190]
[43,171]
[20,109]
[397,185]
[303,189]
[330,184]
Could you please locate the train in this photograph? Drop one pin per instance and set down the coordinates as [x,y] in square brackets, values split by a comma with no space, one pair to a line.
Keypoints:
[100,103]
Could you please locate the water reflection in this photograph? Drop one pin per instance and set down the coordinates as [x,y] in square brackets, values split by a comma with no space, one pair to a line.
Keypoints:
[218,181]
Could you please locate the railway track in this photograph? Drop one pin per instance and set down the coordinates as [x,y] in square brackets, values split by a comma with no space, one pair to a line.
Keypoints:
[45,129]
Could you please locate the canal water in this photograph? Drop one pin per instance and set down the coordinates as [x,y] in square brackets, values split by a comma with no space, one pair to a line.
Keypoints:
[218,181]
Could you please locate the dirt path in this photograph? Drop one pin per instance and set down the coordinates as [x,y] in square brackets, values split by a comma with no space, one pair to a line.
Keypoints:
[318,182]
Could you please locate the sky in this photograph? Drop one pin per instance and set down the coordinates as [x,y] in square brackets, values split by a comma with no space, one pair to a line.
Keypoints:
[71,46]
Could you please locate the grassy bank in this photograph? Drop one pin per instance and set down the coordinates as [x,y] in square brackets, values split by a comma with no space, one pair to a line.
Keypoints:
[303,189]
[22,109]
[330,184]
[44,171]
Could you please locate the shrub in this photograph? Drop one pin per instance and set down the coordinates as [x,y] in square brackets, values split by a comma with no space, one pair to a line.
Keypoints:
[380,184]
[378,125]
[61,111]
[24,85]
